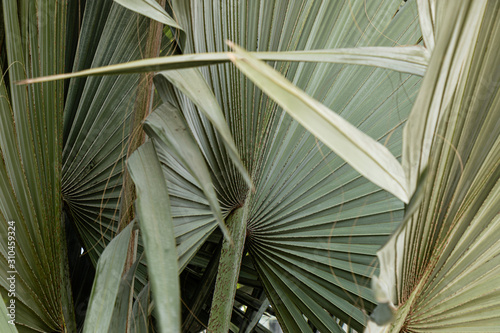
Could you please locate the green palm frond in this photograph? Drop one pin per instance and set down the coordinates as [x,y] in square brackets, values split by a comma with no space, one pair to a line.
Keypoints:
[304,163]
[314,223]
[441,267]
[98,123]
[158,234]
[30,174]
[106,288]
[53,167]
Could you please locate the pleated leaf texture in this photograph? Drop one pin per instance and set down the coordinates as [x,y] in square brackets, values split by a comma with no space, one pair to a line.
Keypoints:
[63,148]
[314,223]
[441,267]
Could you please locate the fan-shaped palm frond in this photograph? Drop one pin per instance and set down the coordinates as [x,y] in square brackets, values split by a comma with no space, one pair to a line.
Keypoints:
[314,224]
[441,267]
[303,195]
[56,170]
[31,121]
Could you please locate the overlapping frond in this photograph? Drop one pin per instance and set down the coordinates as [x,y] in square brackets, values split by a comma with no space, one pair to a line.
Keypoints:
[98,121]
[442,265]
[314,223]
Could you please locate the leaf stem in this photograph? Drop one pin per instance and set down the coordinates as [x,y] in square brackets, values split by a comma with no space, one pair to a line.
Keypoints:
[228,272]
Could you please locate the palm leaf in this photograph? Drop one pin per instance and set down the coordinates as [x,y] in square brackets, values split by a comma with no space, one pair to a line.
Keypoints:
[407,59]
[306,222]
[298,200]
[309,206]
[157,234]
[151,9]
[30,173]
[441,264]
[98,124]
[107,283]
[364,154]
[167,124]
[95,131]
